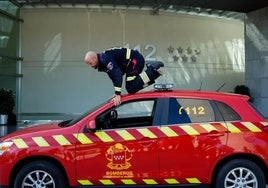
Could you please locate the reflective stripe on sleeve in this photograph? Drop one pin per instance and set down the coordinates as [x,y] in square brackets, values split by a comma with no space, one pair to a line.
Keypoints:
[118,89]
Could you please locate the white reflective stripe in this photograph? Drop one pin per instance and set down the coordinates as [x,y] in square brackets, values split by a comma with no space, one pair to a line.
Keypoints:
[130,78]
[128,53]
[144,77]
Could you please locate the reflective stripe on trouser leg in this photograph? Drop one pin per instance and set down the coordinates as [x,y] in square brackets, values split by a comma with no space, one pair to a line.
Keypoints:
[144,78]
[130,78]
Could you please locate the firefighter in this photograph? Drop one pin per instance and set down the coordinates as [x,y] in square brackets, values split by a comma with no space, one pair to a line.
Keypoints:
[118,61]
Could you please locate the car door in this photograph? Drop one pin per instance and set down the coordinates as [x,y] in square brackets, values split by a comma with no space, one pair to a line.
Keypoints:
[195,138]
[123,150]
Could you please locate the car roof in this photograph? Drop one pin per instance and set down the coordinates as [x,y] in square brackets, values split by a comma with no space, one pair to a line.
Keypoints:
[186,93]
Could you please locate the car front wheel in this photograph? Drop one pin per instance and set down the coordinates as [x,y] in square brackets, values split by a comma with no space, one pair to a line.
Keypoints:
[240,173]
[39,174]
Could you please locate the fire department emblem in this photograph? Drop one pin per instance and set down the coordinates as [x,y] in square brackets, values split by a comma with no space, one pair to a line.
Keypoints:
[118,156]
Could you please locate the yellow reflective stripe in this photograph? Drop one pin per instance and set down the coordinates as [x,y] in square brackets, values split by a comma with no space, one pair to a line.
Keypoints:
[128,181]
[168,131]
[128,53]
[107,182]
[146,181]
[144,77]
[85,182]
[189,130]
[130,78]
[208,127]
[83,138]
[125,135]
[118,89]
[61,140]
[251,127]
[40,141]
[20,143]
[147,133]
[231,128]
[172,181]
[193,180]
[150,181]
[104,136]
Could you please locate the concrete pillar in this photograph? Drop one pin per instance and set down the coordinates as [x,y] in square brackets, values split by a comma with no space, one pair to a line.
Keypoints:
[256,57]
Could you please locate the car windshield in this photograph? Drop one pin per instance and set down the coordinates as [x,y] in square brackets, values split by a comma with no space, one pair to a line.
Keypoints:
[79,117]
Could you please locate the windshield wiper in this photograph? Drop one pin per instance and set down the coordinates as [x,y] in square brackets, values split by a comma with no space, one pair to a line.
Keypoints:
[65,123]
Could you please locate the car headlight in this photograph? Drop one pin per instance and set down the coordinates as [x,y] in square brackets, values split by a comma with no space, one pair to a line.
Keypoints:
[4,146]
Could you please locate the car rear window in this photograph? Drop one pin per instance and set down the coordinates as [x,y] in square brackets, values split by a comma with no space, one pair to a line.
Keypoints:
[227,112]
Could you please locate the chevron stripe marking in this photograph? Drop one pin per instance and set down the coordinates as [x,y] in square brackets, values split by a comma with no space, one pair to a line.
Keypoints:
[150,181]
[208,127]
[82,138]
[231,128]
[125,135]
[147,133]
[20,143]
[85,182]
[128,181]
[104,136]
[171,181]
[251,127]
[265,123]
[107,182]
[40,141]
[61,140]
[193,180]
[189,130]
[169,132]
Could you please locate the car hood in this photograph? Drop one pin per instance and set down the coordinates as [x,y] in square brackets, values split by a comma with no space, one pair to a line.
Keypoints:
[35,129]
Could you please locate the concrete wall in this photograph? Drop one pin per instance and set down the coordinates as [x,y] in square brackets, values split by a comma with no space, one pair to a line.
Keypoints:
[56,80]
[256,48]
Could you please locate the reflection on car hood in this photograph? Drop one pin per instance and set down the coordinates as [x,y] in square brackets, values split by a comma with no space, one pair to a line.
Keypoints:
[36,129]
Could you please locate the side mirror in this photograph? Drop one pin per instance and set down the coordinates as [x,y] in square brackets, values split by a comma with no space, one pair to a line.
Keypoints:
[113,114]
[91,125]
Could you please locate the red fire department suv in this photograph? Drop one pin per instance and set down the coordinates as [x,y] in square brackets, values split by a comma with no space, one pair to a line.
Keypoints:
[182,138]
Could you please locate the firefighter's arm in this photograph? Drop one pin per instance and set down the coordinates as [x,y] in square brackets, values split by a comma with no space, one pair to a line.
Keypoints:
[116,76]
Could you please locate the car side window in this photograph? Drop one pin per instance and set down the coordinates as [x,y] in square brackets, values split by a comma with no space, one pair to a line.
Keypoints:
[187,110]
[131,114]
[135,109]
[227,112]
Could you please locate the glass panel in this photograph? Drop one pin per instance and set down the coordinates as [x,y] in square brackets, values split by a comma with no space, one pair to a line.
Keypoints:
[9,7]
[9,45]
[135,109]
[227,112]
[190,111]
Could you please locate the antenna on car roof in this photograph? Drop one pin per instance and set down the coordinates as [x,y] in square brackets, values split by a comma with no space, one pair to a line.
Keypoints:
[220,87]
[200,86]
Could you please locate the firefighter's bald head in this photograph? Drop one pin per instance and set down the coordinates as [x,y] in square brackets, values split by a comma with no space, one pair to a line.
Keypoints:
[91,59]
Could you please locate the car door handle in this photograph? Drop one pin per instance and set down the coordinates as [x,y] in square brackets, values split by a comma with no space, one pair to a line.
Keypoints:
[147,142]
[215,134]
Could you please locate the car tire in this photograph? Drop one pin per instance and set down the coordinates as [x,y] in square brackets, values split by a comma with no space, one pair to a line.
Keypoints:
[40,174]
[240,173]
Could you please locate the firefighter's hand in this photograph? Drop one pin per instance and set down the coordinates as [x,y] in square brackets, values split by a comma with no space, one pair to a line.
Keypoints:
[116,99]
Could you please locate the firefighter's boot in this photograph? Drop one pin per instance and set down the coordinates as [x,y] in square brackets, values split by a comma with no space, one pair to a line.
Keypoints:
[155,64]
